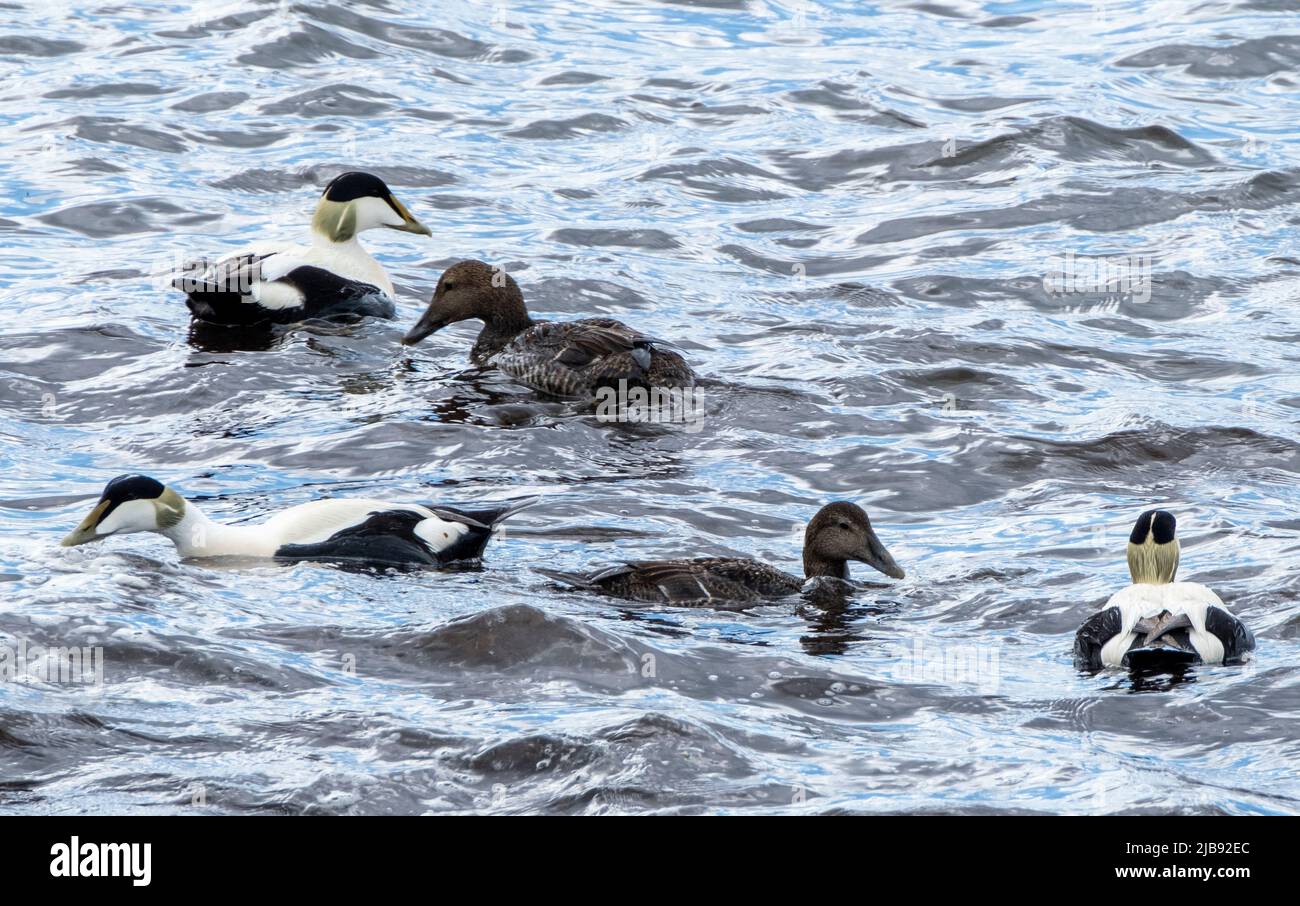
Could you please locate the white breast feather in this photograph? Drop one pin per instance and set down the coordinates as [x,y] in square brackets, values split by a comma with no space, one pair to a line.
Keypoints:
[347,259]
[1140,601]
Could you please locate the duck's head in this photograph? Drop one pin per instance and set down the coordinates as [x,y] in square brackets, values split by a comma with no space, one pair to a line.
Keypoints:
[841,532]
[130,503]
[472,289]
[354,202]
[1153,549]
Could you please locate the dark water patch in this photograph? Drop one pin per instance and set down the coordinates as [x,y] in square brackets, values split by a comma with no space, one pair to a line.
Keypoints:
[1153,296]
[983,103]
[1127,208]
[1067,138]
[726,180]
[213,27]
[1152,449]
[332,101]
[211,101]
[615,238]
[122,218]
[306,46]
[850,103]
[111,129]
[1252,58]
[93,165]
[573,77]
[970,384]
[802,265]
[573,127]
[109,89]
[939,9]
[581,295]
[442,42]
[711,4]
[228,138]
[433,116]
[1006,21]
[723,114]
[519,636]
[33,46]
[1188,721]
[532,755]
[778,225]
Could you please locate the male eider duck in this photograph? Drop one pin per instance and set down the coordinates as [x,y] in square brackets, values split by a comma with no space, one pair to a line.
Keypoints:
[347,530]
[838,533]
[561,358]
[1157,623]
[283,283]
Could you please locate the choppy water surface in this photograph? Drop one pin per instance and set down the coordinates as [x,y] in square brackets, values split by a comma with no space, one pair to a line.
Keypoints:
[844,214]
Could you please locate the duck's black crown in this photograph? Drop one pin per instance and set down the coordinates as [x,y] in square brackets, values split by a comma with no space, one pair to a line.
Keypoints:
[352,185]
[1160,524]
[132,487]
[129,487]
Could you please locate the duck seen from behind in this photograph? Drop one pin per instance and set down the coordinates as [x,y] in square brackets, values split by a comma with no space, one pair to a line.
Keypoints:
[1157,623]
[282,283]
[355,531]
[838,533]
[560,358]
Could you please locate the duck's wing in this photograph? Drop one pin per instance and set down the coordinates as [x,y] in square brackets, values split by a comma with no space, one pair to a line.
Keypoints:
[1237,640]
[592,338]
[583,342]
[276,283]
[609,350]
[572,358]
[697,582]
[374,532]
[1093,636]
[382,539]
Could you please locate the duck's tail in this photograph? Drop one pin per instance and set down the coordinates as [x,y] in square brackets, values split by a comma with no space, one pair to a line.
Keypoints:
[488,518]
[480,523]
[1159,659]
[1163,644]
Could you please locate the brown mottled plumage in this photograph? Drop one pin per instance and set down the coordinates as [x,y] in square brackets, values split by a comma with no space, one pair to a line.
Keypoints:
[838,533]
[562,358]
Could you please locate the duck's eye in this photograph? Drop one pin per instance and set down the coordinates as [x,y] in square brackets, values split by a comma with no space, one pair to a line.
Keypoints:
[448,287]
[845,526]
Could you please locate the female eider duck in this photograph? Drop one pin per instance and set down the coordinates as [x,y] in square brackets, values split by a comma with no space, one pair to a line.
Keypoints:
[283,283]
[561,358]
[838,533]
[356,531]
[1157,623]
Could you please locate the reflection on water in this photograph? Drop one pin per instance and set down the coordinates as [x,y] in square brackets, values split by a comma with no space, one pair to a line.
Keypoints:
[877,235]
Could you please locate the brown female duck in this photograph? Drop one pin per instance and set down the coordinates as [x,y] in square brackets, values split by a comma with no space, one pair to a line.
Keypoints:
[562,358]
[838,533]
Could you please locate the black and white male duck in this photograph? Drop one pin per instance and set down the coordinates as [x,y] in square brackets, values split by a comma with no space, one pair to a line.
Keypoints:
[1157,623]
[560,358]
[282,283]
[354,531]
[838,533]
